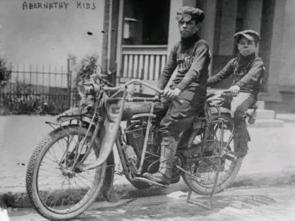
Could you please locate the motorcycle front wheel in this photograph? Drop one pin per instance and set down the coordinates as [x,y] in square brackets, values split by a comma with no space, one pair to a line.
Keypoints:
[58,189]
[201,174]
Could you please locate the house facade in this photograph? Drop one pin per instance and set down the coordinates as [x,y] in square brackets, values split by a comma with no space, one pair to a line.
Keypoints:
[140,34]
[46,32]
[133,37]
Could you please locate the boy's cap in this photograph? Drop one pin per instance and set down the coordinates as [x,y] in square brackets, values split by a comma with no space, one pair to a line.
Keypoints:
[248,34]
[187,13]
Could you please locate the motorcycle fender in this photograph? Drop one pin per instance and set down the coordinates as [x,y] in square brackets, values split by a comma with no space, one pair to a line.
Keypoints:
[73,116]
[108,134]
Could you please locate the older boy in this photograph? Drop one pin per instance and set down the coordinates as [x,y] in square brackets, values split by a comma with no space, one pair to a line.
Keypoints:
[247,71]
[191,58]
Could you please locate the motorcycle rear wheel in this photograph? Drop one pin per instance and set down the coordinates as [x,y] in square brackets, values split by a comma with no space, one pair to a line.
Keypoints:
[201,175]
[56,191]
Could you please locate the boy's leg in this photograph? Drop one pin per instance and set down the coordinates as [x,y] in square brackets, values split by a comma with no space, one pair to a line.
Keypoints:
[177,119]
[239,105]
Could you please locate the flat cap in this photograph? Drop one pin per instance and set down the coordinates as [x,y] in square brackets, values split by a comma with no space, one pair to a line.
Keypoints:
[248,34]
[187,13]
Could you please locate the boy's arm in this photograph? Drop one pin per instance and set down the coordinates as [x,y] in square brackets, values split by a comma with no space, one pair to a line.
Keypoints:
[202,57]
[168,69]
[254,74]
[225,72]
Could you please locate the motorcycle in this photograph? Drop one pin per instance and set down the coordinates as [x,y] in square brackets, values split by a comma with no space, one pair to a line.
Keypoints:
[75,162]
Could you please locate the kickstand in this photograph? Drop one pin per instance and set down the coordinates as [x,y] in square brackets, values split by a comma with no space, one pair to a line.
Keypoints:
[111,195]
[201,203]
[207,204]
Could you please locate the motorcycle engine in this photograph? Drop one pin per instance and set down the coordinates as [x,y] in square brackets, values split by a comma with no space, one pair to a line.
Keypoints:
[135,136]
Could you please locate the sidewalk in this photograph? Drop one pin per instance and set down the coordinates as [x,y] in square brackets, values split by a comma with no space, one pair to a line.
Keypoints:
[270,160]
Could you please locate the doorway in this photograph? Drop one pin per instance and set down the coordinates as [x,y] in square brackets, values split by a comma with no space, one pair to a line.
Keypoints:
[146,22]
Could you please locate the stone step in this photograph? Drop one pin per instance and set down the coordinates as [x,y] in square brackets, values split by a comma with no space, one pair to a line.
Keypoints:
[286,117]
[267,123]
[281,106]
[265,114]
[260,104]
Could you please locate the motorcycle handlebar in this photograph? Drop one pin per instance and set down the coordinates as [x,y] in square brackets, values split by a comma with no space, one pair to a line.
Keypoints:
[135,81]
[160,92]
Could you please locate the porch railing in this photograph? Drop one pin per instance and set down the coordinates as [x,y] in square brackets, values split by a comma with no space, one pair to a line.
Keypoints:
[142,62]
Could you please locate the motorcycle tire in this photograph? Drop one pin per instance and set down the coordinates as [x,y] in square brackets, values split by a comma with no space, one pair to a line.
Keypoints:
[78,189]
[196,184]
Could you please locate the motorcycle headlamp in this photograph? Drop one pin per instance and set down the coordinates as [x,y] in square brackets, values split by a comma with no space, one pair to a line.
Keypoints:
[88,88]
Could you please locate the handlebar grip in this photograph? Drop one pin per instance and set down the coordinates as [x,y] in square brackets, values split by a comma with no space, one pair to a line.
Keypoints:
[177,99]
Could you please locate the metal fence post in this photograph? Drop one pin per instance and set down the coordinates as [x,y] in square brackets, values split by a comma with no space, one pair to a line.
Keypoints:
[69,78]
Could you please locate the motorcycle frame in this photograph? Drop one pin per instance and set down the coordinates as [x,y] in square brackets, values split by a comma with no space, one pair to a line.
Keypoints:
[106,152]
[120,142]
[151,116]
[107,147]
[115,138]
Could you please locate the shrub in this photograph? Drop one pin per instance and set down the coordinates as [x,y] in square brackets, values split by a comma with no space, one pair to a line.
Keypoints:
[5,72]
[24,101]
[87,67]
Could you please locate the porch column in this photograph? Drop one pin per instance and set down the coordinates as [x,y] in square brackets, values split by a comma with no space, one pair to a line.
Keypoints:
[253,15]
[105,36]
[228,27]
[287,77]
[208,26]
[276,46]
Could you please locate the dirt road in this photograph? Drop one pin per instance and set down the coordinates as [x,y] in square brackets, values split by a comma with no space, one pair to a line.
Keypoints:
[235,204]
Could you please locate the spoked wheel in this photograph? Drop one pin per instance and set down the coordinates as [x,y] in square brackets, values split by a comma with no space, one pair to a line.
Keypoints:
[58,187]
[202,173]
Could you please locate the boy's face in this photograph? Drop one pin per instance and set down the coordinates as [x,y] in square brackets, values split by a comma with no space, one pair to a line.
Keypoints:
[247,47]
[187,28]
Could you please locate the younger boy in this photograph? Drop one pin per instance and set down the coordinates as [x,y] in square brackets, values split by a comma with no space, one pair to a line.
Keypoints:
[246,70]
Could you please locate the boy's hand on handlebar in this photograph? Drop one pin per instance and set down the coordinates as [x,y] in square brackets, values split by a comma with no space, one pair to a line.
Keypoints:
[235,89]
[171,93]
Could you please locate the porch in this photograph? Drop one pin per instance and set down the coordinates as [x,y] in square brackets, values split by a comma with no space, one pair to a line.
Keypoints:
[144,62]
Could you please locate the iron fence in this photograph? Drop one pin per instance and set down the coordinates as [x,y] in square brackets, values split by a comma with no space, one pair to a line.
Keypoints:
[37,89]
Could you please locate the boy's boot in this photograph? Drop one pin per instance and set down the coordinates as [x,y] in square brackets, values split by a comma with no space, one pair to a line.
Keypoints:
[241,140]
[168,150]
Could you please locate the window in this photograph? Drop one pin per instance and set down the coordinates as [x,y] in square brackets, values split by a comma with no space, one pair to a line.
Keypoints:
[146,22]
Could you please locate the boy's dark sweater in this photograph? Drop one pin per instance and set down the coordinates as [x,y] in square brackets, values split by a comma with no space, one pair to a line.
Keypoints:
[247,72]
[191,57]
